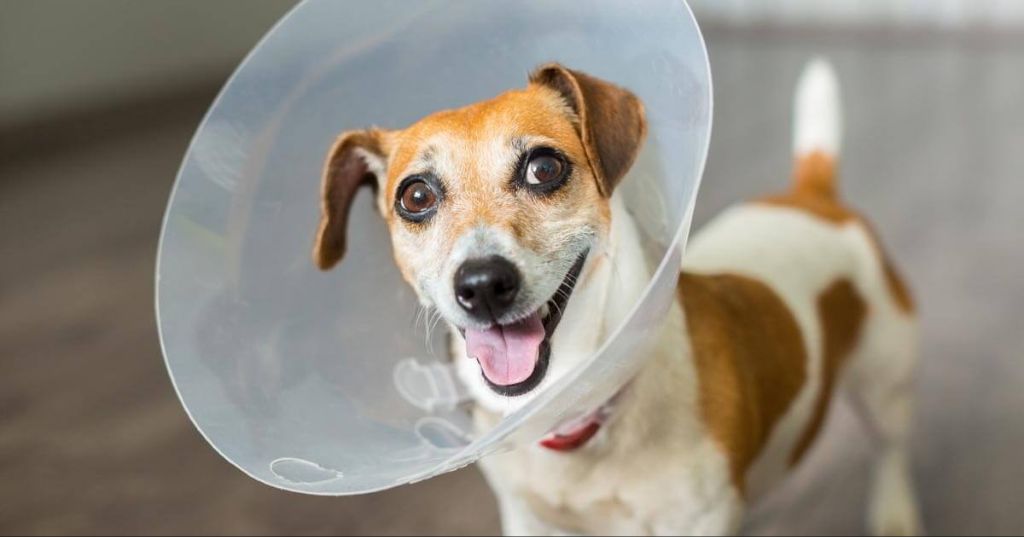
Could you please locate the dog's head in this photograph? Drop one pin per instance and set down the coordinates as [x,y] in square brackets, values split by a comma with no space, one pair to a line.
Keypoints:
[493,209]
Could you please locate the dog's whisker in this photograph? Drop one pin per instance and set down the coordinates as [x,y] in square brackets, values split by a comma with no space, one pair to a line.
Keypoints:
[428,313]
[432,327]
[420,315]
[559,308]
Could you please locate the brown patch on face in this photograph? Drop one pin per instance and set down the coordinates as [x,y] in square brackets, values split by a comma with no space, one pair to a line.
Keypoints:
[814,191]
[611,120]
[841,313]
[470,156]
[345,171]
[524,112]
[464,143]
[750,361]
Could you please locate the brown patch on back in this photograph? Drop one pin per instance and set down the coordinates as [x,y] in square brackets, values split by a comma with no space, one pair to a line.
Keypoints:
[897,288]
[841,313]
[750,360]
[815,191]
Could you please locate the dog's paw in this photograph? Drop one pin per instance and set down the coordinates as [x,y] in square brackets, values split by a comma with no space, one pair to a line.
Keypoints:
[893,509]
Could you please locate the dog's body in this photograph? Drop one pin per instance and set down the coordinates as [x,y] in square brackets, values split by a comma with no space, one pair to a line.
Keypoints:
[781,302]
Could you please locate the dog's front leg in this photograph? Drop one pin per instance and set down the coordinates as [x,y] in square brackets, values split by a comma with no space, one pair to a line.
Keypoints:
[518,520]
[702,514]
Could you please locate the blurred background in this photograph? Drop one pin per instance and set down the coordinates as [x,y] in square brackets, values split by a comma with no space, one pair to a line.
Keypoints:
[98,101]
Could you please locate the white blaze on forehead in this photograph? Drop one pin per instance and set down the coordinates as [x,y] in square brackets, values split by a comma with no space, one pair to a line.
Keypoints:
[499,155]
[483,241]
[475,220]
[443,156]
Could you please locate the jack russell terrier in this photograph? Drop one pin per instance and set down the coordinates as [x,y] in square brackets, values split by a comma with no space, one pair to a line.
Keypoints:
[504,218]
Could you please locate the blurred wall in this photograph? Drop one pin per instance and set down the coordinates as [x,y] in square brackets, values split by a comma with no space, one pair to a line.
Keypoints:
[949,14]
[64,56]
[59,57]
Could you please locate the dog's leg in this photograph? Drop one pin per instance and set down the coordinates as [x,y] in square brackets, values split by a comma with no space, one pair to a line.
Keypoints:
[725,518]
[721,518]
[517,519]
[892,505]
[882,395]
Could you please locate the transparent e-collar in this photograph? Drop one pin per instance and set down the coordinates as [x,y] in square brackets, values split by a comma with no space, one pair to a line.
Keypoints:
[323,383]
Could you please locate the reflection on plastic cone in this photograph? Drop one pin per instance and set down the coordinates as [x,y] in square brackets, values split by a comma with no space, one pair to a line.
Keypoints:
[303,379]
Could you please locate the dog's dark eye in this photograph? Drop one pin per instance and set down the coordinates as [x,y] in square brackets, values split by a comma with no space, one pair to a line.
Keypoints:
[543,169]
[418,197]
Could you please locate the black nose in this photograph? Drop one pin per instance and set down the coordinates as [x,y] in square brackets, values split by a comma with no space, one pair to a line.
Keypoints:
[487,287]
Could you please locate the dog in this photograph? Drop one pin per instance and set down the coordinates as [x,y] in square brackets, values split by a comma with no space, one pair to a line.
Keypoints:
[505,218]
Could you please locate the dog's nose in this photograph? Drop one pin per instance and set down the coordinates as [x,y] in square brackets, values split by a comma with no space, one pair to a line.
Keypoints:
[487,287]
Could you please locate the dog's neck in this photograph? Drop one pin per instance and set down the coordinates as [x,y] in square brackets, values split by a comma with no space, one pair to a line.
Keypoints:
[618,273]
[611,283]
[615,277]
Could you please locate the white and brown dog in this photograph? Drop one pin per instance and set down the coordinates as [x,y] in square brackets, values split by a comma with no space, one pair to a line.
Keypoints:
[504,218]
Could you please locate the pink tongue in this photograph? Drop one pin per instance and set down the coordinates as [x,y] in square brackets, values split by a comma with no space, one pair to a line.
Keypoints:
[507,354]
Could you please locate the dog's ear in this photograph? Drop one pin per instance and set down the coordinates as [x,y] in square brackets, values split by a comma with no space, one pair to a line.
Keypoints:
[357,158]
[611,125]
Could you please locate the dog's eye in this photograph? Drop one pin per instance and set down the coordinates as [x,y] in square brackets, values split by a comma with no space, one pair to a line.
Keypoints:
[417,197]
[544,169]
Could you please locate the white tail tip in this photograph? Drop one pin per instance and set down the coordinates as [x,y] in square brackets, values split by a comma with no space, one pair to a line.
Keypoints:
[817,119]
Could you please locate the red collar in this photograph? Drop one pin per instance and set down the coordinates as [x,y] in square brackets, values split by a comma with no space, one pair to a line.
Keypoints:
[574,439]
[574,435]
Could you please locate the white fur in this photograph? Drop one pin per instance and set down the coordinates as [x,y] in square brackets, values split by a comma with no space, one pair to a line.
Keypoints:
[611,282]
[679,483]
[817,118]
[654,469]
[798,255]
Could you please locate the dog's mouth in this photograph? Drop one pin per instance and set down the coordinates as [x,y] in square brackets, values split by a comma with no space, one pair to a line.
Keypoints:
[514,357]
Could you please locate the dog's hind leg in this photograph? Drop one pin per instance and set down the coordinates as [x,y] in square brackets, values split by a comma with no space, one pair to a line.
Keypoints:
[880,387]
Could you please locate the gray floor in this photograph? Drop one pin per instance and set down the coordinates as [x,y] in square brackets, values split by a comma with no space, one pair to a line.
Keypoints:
[93,440]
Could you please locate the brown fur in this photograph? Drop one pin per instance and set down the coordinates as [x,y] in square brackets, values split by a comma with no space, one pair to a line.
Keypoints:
[750,360]
[344,172]
[599,126]
[747,347]
[477,196]
[743,394]
[610,120]
[815,191]
[841,313]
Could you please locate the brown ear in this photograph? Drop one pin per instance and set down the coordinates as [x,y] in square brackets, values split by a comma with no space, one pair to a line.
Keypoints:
[356,159]
[612,125]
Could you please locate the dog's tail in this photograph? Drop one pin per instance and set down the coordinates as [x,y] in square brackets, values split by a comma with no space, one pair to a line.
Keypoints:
[817,129]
